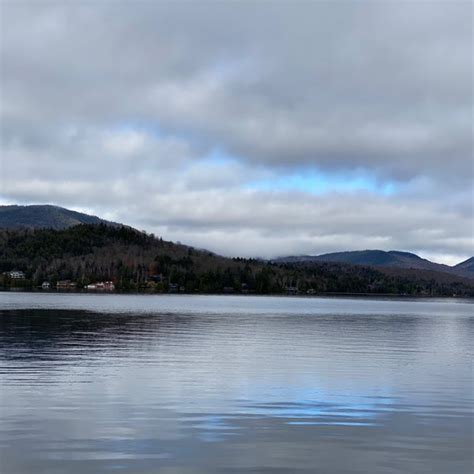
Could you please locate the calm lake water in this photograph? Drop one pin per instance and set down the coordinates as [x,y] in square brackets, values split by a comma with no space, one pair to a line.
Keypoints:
[227,384]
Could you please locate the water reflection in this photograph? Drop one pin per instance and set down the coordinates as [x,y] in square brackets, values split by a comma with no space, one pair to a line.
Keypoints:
[177,389]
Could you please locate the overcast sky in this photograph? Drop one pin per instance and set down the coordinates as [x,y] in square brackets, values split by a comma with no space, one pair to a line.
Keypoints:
[248,128]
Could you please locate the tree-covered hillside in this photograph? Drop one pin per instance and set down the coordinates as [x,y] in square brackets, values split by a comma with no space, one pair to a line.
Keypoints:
[132,259]
[44,216]
[381,258]
[135,260]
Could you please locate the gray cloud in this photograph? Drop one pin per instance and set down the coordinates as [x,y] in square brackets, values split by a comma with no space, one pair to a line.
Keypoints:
[119,107]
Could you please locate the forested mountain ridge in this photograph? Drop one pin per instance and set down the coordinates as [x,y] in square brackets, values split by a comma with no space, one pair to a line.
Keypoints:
[467,265]
[381,258]
[55,217]
[44,216]
[132,259]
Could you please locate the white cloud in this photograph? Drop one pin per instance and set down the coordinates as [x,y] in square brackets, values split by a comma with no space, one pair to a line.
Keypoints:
[124,143]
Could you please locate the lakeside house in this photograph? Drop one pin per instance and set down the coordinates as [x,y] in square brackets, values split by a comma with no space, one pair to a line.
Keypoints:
[101,285]
[15,275]
[45,285]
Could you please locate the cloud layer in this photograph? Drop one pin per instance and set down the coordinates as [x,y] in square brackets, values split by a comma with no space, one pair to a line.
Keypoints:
[250,129]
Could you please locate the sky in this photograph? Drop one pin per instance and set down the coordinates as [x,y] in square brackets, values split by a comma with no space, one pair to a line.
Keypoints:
[255,129]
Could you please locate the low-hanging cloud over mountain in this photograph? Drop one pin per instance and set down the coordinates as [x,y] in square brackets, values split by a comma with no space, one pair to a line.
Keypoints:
[249,128]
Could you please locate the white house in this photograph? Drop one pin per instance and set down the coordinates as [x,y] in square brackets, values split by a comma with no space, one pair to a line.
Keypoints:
[16,275]
[101,285]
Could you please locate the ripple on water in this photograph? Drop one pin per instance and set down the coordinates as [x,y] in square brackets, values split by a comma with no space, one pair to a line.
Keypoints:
[93,383]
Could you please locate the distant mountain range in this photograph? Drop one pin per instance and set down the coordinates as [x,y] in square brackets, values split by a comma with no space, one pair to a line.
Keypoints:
[381,258]
[54,217]
[44,216]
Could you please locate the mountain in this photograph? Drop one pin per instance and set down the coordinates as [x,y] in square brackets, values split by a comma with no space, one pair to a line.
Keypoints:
[381,258]
[134,260]
[44,216]
[53,244]
[466,266]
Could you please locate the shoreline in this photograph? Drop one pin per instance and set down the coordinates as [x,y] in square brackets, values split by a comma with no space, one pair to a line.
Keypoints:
[280,295]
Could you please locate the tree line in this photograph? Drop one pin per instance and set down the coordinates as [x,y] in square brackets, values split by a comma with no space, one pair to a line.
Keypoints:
[135,260]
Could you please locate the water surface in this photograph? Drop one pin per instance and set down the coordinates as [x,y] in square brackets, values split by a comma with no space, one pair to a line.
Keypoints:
[229,384]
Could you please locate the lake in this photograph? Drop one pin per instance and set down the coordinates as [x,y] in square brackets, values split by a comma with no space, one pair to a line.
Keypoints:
[96,383]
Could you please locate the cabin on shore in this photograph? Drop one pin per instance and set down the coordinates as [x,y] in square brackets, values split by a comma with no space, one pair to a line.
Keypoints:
[15,275]
[101,285]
